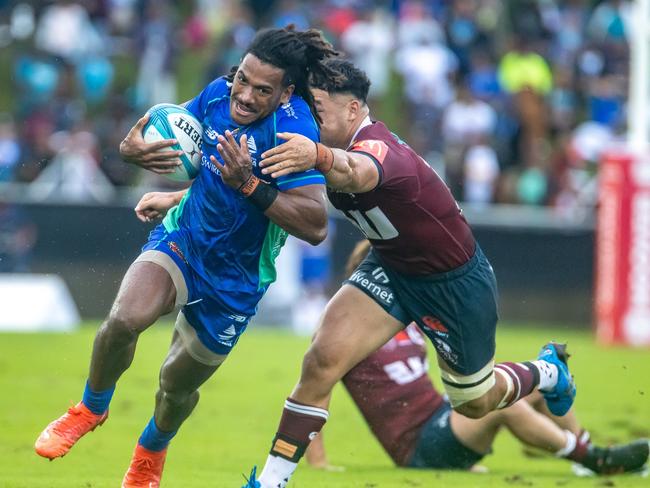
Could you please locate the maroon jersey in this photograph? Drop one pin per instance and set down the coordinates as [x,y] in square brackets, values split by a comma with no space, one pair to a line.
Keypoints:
[394,393]
[411,218]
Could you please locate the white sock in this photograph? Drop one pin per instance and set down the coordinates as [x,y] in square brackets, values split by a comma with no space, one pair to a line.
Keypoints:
[570,445]
[547,375]
[276,472]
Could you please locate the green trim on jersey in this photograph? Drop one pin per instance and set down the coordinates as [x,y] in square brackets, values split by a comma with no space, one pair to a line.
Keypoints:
[300,178]
[174,215]
[273,242]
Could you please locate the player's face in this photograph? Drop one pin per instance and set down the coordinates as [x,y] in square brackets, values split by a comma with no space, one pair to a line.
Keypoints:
[256,90]
[335,112]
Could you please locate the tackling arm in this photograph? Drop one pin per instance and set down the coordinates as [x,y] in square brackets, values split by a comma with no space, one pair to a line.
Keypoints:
[300,211]
[345,171]
[352,172]
[154,205]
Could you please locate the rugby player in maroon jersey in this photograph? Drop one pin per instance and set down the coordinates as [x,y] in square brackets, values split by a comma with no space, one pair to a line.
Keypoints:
[417,428]
[425,267]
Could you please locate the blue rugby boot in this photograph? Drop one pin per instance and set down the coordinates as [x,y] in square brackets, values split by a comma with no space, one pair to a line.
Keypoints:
[560,398]
[252,482]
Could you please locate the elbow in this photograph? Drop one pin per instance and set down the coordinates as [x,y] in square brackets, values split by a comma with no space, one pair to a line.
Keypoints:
[318,231]
[317,234]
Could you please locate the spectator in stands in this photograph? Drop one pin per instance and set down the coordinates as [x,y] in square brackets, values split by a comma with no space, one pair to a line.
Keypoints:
[368,42]
[466,123]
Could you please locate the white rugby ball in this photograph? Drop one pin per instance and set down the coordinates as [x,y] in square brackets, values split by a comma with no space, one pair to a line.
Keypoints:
[169,121]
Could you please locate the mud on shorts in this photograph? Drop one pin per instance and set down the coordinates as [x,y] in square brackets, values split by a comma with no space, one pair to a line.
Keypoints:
[456,310]
[209,330]
[438,448]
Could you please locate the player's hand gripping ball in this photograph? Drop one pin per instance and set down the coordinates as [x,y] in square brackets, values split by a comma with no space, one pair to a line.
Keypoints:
[169,121]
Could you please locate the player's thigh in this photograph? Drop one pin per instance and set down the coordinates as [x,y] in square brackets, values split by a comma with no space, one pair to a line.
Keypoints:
[147,292]
[181,372]
[353,326]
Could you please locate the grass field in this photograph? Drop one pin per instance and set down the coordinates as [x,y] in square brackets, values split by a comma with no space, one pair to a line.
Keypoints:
[233,424]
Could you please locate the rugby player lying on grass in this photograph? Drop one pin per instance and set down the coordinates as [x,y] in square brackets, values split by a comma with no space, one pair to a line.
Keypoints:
[417,427]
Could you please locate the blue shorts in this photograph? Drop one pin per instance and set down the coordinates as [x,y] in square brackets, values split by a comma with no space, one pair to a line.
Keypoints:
[457,310]
[438,448]
[216,326]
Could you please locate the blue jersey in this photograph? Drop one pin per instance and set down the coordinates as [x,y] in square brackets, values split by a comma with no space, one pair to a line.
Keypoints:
[229,243]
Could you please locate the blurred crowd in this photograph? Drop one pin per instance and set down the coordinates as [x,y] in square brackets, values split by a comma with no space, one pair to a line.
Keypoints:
[512,101]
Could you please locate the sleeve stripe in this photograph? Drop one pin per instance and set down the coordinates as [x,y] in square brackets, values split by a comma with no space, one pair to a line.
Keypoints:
[380,168]
[317,177]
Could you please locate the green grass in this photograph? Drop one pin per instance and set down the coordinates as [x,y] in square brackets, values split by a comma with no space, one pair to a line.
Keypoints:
[233,424]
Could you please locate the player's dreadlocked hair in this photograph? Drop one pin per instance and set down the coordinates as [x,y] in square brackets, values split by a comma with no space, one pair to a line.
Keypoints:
[350,79]
[299,53]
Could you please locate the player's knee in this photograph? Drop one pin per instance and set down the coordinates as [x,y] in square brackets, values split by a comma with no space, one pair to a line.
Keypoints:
[319,366]
[126,324]
[173,397]
[474,409]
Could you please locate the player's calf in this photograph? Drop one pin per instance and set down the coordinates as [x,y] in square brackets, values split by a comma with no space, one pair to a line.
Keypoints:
[299,424]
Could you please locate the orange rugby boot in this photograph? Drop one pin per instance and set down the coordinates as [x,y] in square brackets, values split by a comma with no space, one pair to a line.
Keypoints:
[59,436]
[146,468]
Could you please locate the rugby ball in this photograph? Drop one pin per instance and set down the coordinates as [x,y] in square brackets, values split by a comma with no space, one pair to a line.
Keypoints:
[169,121]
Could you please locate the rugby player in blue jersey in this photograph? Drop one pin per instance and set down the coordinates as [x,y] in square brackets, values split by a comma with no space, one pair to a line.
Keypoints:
[214,253]
[425,266]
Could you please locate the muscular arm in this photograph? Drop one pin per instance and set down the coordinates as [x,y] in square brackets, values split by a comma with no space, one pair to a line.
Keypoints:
[351,172]
[302,212]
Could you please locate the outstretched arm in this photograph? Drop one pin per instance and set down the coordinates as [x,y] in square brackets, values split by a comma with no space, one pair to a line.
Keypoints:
[344,171]
[154,205]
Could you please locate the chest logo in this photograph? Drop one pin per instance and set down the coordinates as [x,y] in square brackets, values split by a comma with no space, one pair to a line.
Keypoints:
[210,133]
[252,145]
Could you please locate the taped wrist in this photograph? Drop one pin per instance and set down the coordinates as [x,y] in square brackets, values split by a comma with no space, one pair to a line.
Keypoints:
[324,158]
[260,194]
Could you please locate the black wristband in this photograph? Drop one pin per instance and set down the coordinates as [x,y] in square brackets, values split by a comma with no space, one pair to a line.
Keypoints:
[263,196]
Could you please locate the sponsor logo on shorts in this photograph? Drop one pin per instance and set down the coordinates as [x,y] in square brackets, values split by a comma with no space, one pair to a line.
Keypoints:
[434,324]
[445,351]
[227,335]
[359,277]
[176,250]
[237,318]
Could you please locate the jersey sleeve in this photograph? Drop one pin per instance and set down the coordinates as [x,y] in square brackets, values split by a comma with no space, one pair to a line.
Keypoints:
[216,89]
[396,166]
[296,117]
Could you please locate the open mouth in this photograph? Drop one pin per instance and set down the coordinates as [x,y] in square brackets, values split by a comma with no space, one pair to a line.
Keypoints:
[242,110]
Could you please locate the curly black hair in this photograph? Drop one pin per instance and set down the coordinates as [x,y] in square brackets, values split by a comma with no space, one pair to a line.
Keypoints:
[300,54]
[347,79]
